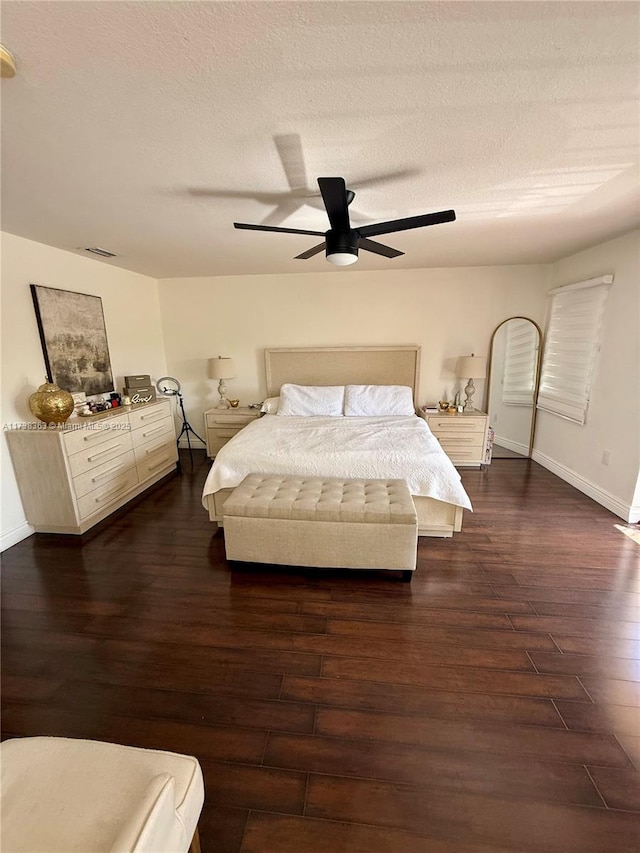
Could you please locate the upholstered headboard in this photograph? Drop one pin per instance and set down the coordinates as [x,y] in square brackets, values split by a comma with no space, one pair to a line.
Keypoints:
[379,365]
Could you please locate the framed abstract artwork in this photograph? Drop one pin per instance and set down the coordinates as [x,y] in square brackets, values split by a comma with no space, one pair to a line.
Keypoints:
[74,339]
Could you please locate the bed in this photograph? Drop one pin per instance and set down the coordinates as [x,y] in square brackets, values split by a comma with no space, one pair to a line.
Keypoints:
[400,447]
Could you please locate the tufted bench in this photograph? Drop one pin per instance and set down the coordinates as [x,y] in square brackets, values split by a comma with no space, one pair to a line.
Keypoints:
[322,522]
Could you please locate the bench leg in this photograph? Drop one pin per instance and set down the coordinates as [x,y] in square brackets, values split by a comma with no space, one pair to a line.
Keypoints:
[195,843]
[407,576]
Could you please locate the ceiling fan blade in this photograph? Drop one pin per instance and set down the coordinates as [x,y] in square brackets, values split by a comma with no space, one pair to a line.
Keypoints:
[311,252]
[408,223]
[379,248]
[334,195]
[274,228]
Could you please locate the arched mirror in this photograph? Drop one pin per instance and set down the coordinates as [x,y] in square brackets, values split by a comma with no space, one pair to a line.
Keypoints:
[512,386]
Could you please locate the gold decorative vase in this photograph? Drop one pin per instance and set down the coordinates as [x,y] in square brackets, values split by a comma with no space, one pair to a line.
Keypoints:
[51,404]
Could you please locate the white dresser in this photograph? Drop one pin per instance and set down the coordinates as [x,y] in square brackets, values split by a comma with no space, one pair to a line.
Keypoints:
[72,477]
[223,424]
[463,436]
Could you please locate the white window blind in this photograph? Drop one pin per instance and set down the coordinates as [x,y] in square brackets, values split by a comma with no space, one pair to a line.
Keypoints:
[571,347]
[520,360]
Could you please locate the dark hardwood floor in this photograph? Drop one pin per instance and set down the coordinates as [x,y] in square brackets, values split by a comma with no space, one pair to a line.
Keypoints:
[491,705]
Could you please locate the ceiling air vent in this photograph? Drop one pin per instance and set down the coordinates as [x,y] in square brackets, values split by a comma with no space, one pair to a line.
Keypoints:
[96,250]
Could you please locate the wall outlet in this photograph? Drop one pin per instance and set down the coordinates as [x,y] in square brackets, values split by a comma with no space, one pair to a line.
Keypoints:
[606,456]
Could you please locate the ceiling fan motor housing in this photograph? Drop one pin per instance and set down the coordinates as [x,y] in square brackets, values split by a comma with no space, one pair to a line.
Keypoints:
[342,242]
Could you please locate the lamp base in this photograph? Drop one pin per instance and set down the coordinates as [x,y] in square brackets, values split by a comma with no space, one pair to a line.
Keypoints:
[469,390]
[222,390]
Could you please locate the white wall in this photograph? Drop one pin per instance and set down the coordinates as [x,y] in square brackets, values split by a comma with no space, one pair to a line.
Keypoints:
[134,332]
[572,451]
[448,312]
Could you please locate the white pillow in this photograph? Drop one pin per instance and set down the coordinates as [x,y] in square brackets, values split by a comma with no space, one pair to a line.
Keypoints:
[311,400]
[372,400]
[270,405]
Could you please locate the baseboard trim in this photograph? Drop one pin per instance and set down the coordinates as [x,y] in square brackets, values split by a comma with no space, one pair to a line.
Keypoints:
[516,446]
[599,495]
[15,535]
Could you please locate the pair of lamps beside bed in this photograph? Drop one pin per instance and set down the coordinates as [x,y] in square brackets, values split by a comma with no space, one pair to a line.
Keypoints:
[468,367]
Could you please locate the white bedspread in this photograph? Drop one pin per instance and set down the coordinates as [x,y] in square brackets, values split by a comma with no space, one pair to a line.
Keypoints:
[396,448]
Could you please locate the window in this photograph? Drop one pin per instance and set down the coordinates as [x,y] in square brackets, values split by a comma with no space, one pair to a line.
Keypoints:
[571,347]
[520,360]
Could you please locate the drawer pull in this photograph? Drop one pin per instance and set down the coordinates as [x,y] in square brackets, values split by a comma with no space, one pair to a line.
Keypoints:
[104,473]
[152,416]
[91,437]
[103,452]
[160,462]
[153,449]
[152,431]
[111,493]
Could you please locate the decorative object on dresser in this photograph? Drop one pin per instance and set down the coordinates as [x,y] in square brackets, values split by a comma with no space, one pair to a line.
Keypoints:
[221,368]
[471,367]
[7,63]
[51,404]
[74,339]
[72,477]
[139,388]
[170,387]
[463,435]
[223,425]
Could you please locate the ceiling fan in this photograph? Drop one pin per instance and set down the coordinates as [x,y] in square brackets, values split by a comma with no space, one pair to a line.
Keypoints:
[341,241]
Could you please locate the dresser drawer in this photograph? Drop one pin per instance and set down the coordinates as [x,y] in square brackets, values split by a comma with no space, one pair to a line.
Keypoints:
[94,433]
[452,442]
[226,420]
[162,442]
[160,429]
[104,474]
[151,464]
[146,415]
[454,424]
[458,455]
[217,438]
[114,444]
[113,492]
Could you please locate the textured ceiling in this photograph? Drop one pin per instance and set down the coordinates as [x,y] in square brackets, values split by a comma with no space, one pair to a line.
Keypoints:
[149,127]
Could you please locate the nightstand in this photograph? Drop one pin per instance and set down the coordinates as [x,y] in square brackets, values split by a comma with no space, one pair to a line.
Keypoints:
[463,435]
[223,424]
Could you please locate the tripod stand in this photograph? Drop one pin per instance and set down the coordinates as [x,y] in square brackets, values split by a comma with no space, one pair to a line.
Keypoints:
[187,429]
[170,387]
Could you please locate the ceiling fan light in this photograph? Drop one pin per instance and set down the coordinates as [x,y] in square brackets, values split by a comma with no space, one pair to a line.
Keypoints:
[342,259]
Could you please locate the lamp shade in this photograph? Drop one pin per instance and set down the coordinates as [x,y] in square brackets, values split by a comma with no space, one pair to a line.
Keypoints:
[221,368]
[472,367]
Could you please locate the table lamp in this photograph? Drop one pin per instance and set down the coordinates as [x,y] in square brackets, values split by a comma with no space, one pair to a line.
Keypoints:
[471,367]
[221,368]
